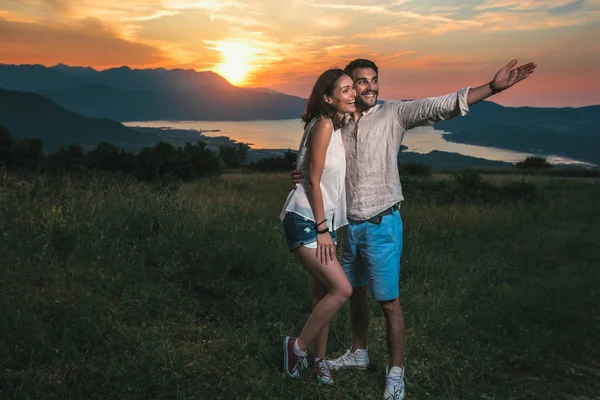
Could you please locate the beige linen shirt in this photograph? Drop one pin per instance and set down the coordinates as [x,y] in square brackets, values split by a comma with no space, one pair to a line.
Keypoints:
[372,145]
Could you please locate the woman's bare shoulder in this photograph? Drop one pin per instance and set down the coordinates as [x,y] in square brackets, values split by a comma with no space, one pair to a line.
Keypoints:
[323,124]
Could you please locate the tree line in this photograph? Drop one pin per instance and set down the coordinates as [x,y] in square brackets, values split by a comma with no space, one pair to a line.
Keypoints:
[163,160]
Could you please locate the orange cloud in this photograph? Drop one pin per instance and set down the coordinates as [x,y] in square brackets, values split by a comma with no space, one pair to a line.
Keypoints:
[54,5]
[16,17]
[524,5]
[285,45]
[510,21]
[89,42]
[347,7]
[447,9]
[155,15]
[435,62]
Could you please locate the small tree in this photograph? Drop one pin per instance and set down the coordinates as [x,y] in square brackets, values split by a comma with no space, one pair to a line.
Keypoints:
[533,163]
[7,144]
[284,163]
[163,160]
[415,168]
[203,160]
[234,156]
[67,159]
[29,154]
[108,157]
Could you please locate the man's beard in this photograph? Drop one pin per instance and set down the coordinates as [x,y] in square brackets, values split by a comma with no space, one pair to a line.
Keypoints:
[366,104]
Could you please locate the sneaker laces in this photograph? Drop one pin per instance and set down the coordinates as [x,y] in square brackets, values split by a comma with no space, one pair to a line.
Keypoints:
[322,368]
[348,356]
[300,362]
[397,382]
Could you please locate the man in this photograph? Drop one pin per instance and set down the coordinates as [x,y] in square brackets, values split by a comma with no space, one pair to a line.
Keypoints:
[372,242]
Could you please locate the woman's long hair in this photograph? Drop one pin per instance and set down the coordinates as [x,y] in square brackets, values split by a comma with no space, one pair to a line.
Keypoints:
[315,105]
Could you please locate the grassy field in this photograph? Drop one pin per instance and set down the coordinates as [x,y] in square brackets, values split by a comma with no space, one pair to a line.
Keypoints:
[115,289]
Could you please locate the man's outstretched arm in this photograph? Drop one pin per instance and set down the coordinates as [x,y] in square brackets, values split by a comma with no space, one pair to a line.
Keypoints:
[504,79]
[434,109]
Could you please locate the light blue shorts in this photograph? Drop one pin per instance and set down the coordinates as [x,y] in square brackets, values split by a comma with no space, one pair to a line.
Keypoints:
[371,255]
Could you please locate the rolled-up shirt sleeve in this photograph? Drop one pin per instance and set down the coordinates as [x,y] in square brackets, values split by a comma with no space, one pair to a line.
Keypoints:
[432,109]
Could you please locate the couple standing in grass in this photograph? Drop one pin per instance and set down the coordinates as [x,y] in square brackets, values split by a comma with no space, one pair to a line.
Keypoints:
[348,177]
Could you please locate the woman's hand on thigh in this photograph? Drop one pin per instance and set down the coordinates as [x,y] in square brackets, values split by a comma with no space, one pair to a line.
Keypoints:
[325,248]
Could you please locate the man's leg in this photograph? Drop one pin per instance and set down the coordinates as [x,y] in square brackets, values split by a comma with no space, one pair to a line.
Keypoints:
[357,276]
[357,356]
[394,329]
[381,250]
[359,317]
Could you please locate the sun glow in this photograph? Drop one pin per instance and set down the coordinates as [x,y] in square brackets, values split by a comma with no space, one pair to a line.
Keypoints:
[236,62]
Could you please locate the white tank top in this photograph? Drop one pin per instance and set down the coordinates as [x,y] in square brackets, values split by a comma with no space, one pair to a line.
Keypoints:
[333,184]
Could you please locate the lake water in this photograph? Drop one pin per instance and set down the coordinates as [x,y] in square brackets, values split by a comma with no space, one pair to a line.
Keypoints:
[284,134]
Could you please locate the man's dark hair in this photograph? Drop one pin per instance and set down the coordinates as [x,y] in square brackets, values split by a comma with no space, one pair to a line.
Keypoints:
[360,63]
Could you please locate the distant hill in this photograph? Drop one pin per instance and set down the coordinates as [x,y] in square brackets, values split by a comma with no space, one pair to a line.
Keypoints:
[570,132]
[208,103]
[35,78]
[32,115]
[126,94]
[447,161]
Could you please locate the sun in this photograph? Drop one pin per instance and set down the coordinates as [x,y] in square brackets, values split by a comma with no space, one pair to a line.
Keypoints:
[236,62]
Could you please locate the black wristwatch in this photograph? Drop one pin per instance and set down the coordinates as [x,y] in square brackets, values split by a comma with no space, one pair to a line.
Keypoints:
[493,87]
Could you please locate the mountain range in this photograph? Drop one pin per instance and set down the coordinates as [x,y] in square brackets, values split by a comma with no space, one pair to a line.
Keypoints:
[126,94]
[64,96]
[30,115]
[568,132]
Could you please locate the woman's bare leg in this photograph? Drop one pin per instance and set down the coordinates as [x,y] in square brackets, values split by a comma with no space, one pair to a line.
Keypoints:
[317,291]
[332,276]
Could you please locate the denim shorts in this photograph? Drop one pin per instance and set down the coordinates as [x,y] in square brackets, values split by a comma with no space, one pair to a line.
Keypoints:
[300,231]
[371,255]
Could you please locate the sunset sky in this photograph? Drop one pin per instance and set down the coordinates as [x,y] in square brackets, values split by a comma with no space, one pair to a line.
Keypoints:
[423,47]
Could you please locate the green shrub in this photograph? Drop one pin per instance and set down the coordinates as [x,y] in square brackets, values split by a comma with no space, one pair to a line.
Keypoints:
[415,168]
[7,145]
[574,172]
[234,156]
[521,190]
[468,178]
[533,163]
[270,164]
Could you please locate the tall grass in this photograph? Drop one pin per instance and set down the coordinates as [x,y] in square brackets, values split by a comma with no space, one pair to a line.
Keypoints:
[111,288]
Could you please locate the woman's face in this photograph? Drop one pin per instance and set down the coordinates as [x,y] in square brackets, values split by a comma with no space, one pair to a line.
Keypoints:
[343,96]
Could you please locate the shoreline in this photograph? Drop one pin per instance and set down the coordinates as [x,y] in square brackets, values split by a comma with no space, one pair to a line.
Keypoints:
[179,136]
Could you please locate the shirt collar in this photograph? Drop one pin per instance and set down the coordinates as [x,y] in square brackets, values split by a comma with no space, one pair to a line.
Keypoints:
[371,110]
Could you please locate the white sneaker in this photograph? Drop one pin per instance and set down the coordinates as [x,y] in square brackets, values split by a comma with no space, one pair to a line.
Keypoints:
[358,360]
[394,384]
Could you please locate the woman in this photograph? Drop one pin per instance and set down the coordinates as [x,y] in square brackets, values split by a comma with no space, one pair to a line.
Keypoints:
[313,212]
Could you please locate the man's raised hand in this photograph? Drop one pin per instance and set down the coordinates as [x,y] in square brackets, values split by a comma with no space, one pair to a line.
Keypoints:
[509,75]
